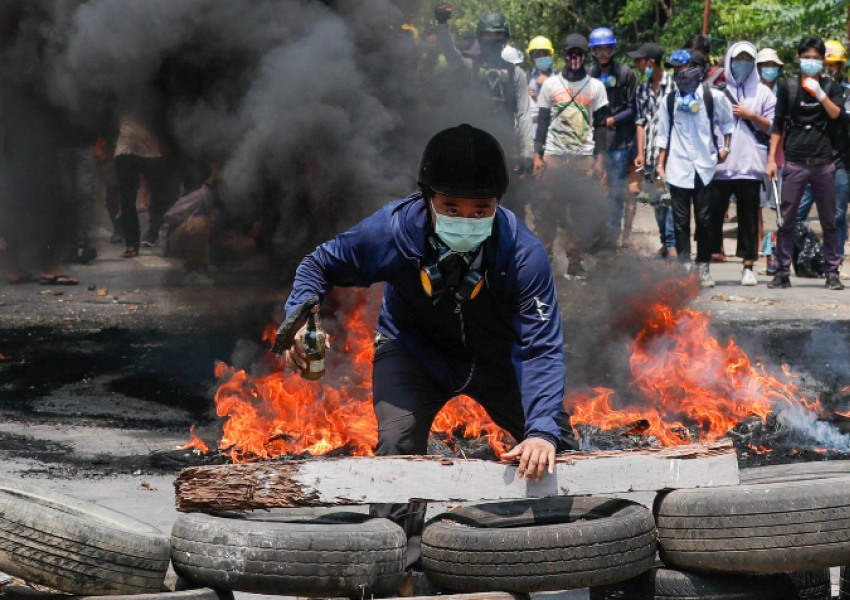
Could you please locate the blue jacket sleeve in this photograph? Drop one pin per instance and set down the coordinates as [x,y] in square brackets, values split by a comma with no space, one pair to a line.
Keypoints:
[538,355]
[359,257]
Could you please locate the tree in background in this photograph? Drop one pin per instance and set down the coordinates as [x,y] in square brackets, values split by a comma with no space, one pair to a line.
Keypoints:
[776,23]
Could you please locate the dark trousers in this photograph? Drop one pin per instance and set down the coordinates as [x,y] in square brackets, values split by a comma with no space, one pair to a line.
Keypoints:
[406,400]
[129,168]
[682,198]
[794,181]
[748,198]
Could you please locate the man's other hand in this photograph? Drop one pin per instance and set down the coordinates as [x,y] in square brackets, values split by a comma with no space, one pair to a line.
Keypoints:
[534,455]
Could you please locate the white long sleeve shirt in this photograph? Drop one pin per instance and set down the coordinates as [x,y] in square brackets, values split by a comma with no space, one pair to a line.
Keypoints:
[692,151]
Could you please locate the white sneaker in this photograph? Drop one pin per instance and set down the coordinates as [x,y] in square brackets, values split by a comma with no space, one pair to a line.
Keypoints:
[749,278]
[705,276]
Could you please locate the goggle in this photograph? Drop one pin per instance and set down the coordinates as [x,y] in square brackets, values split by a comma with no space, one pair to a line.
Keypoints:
[603,50]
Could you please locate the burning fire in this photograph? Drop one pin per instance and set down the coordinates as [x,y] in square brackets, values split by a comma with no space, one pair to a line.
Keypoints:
[683,380]
[282,414]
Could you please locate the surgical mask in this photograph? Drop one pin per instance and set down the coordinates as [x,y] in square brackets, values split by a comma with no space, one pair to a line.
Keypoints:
[462,234]
[575,61]
[544,63]
[811,66]
[770,73]
[688,80]
[741,70]
[648,73]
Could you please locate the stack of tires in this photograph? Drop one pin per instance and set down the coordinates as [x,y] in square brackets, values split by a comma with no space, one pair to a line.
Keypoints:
[773,537]
[528,546]
[81,548]
[290,552]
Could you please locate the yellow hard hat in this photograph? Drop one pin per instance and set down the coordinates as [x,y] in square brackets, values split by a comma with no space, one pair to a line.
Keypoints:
[540,43]
[835,52]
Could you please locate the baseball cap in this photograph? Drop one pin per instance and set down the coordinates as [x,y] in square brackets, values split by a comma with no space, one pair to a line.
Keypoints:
[766,55]
[575,41]
[698,59]
[678,58]
[648,50]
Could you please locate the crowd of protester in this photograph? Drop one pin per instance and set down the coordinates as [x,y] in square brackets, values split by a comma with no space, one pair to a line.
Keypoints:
[689,135]
[678,129]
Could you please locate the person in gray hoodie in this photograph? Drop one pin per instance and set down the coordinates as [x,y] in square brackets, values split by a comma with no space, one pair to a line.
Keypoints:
[753,106]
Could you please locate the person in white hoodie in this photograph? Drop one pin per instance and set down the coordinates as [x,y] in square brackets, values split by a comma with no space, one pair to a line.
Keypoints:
[753,105]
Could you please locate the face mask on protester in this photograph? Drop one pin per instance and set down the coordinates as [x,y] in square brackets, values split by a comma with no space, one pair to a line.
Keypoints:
[462,234]
[544,63]
[688,80]
[575,61]
[491,48]
[811,66]
[648,73]
[770,73]
[741,70]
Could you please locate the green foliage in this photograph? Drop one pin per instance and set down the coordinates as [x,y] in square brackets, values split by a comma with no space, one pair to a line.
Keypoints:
[777,23]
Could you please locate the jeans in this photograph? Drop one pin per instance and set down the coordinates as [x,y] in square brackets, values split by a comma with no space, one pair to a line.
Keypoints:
[406,400]
[821,178]
[842,197]
[616,166]
[666,228]
[700,197]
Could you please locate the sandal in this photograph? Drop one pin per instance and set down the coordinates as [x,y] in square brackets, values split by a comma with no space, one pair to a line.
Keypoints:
[131,253]
[57,280]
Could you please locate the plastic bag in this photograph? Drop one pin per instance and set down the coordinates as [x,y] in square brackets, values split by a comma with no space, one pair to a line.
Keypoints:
[808,253]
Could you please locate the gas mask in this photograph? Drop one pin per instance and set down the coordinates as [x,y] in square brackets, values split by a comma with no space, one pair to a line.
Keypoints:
[687,103]
[608,81]
[447,270]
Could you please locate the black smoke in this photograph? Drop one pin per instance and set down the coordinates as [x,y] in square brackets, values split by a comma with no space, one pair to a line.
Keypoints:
[318,110]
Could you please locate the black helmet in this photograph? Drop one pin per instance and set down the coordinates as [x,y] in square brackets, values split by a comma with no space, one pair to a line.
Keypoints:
[464,162]
[493,23]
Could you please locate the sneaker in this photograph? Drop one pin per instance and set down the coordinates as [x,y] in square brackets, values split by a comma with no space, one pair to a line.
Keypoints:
[749,278]
[575,269]
[197,279]
[705,276]
[780,282]
[834,283]
[150,241]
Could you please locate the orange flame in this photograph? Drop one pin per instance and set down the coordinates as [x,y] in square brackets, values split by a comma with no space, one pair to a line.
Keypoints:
[281,413]
[195,443]
[687,378]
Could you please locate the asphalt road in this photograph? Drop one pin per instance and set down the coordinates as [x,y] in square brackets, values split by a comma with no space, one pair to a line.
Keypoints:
[91,383]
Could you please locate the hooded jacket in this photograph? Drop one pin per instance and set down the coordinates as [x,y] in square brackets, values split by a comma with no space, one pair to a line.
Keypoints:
[512,326]
[747,159]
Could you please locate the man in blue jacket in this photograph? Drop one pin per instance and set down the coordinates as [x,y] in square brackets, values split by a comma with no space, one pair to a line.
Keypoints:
[470,307]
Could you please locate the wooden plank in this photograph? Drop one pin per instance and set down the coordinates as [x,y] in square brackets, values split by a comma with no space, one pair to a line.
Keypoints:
[366,480]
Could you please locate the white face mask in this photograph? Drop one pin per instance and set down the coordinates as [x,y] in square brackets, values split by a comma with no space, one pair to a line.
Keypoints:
[460,233]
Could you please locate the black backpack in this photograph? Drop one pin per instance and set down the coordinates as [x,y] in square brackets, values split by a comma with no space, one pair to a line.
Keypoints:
[708,99]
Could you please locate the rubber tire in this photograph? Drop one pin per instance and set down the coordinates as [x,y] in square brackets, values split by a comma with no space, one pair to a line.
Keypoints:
[25,593]
[538,545]
[827,469]
[77,547]
[756,528]
[290,552]
[667,584]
